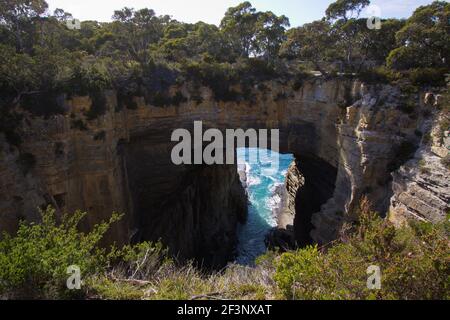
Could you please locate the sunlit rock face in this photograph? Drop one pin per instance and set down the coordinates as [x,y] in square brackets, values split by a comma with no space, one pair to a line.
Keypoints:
[421,188]
[344,136]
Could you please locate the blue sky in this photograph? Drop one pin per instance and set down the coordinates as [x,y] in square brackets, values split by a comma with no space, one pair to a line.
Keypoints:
[211,11]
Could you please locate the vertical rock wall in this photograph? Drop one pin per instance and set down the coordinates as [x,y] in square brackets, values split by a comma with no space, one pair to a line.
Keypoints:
[121,162]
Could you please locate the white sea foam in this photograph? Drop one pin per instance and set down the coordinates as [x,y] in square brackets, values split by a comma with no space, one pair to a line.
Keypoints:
[253,180]
[274,202]
[264,181]
[269,172]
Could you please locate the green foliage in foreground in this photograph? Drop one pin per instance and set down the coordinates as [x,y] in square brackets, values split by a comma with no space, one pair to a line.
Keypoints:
[414,262]
[34,262]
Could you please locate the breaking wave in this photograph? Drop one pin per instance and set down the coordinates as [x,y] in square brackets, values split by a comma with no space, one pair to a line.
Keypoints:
[264,176]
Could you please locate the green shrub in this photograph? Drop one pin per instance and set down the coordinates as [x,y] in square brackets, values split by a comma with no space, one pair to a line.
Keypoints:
[43,103]
[259,69]
[98,106]
[296,269]
[378,75]
[299,78]
[164,99]
[33,263]
[126,100]
[413,261]
[423,167]
[428,77]
[217,76]
[406,88]
[89,77]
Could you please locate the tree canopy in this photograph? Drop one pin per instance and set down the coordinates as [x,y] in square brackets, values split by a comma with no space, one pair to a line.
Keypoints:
[345,9]
[424,41]
[141,53]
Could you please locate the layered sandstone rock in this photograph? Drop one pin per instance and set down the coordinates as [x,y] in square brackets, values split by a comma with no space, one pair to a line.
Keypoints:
[371,138]
[294,181]
[121,162]
[422,186]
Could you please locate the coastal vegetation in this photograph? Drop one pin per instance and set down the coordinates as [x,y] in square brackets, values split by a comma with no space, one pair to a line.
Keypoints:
[413,260]
[144,54]
[44,61]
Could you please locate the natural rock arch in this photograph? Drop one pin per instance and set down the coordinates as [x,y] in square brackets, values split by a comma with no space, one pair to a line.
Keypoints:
[122,163]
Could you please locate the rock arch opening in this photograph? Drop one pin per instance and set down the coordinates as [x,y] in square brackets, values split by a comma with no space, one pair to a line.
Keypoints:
[196,209]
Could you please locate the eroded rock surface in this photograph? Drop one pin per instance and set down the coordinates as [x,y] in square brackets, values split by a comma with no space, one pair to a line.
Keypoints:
[422,186]
[344,135]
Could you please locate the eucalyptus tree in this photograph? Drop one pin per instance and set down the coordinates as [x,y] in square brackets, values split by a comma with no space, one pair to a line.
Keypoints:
[345,9]
[137,30]
[17,16]
[424,41]
[313,42]
[239,25]
[344,14]
[270,34]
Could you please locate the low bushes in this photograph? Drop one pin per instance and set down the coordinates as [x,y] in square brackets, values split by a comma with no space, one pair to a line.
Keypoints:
[413,260]
[164,99]
[379,75]
[98,106]
[33,264]
[420,77]
[428,77]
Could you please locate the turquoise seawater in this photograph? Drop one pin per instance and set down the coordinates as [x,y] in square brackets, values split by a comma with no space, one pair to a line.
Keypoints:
[265,171]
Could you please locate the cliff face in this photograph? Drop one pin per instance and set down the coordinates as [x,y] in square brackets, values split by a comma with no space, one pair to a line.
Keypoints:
[422,186]
[121,163]
[294,181]
[375,140]
[344,136]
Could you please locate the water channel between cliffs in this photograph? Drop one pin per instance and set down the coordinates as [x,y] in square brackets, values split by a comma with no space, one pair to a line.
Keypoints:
[263,180]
